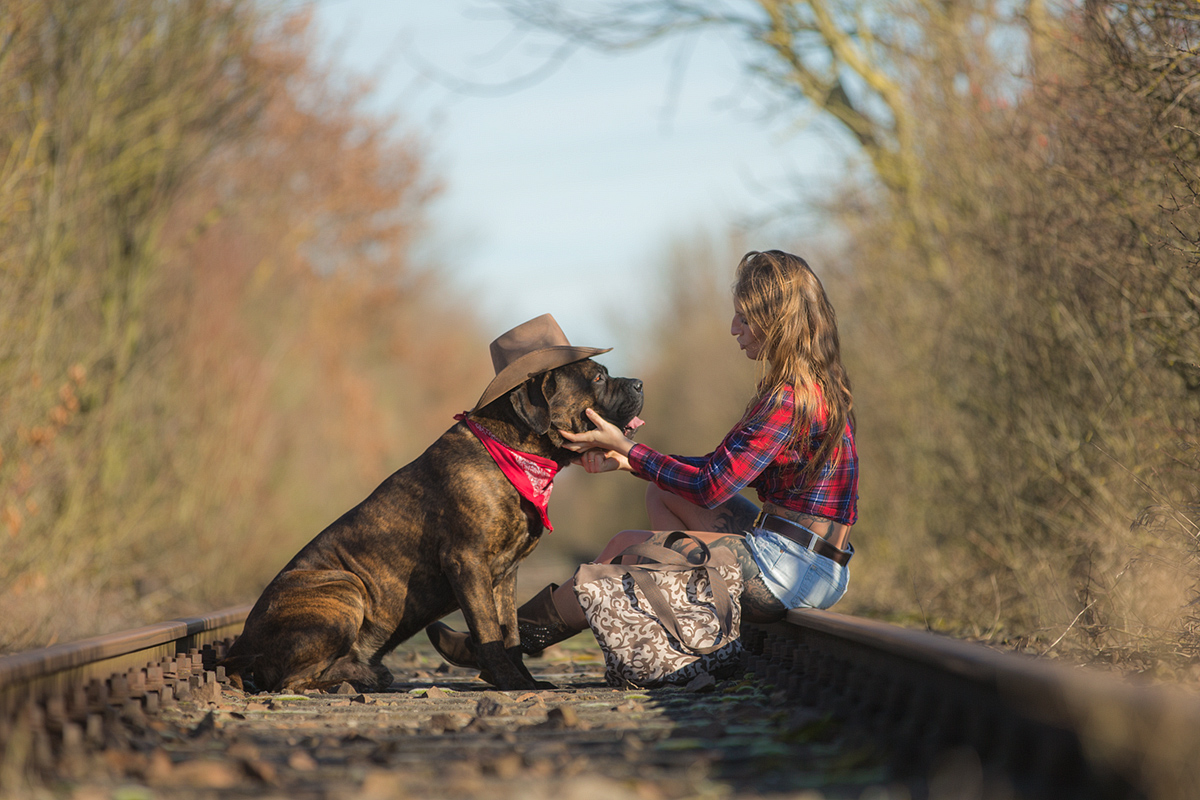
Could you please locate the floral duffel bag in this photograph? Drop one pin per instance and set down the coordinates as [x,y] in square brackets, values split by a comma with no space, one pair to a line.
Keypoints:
[668,619]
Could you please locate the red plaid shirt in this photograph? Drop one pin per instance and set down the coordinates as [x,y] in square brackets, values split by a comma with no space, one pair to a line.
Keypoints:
[753,454]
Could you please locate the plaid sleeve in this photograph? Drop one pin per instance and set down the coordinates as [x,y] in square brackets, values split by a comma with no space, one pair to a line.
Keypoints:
[710,481]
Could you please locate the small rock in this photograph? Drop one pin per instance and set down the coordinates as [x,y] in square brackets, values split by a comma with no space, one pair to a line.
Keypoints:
[701,683]
[561,717]
[125,762]
[205,727]
[384,752]
[537,706]
[160,767]
[364,699]
[301,761]
[207,693]
[506,767]
[205,774]
[243,750]
[489,707]
[357,738]
[345,688]
[499,697]
[448,722]
[434,693]
[260,770]
[381,784]
[477,725]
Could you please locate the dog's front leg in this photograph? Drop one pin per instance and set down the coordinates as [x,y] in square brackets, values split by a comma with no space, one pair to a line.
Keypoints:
[472,582]
[506,608]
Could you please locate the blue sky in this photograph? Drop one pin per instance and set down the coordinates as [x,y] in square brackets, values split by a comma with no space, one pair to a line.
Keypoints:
[563,196]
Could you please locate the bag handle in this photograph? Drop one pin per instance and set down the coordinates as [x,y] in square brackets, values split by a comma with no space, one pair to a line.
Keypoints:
[663,554]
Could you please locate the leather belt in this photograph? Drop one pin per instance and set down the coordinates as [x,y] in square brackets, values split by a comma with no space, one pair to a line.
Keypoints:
[802,536]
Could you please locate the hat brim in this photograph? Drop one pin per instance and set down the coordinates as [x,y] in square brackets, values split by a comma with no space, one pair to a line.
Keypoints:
[533,364]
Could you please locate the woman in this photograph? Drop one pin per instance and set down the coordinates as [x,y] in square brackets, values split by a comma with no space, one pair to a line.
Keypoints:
[794,445]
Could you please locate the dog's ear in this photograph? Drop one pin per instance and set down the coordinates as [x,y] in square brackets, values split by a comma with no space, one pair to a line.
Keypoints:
[529,401]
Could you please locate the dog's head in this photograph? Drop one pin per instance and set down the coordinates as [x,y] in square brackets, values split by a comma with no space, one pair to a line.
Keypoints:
[557,400]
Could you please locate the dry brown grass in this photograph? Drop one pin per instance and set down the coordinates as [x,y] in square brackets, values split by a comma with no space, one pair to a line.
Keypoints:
[1032,412]
[215,339]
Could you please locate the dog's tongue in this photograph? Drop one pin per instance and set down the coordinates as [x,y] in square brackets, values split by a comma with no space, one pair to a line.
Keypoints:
[633,425]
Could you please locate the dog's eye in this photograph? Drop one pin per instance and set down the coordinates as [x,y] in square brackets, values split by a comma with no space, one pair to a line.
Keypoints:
[598,378]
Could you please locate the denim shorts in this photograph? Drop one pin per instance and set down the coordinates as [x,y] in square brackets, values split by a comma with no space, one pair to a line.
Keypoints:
[796,575]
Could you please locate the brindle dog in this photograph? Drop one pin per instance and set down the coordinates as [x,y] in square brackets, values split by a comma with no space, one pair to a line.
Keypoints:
[445,532]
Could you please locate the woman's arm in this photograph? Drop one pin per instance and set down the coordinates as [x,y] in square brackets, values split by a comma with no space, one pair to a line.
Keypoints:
[744,453]
[739,459]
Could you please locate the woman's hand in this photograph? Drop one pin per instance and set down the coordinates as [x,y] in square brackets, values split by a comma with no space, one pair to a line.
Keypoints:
[597,460]
[606,437]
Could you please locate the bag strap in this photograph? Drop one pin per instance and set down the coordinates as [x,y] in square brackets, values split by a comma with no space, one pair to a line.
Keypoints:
[663,554]
[666,614]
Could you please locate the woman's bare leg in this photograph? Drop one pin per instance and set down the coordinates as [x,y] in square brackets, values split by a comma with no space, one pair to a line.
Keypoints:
[670,512]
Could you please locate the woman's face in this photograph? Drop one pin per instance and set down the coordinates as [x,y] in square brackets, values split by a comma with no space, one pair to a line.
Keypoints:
[749,337]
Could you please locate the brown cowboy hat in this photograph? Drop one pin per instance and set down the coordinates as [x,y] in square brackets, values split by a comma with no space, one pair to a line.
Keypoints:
[530,349]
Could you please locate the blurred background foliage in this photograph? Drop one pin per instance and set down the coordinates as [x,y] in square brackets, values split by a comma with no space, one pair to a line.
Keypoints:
[216,335]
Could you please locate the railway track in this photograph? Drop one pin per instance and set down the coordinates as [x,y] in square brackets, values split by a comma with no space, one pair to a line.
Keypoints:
[829,706]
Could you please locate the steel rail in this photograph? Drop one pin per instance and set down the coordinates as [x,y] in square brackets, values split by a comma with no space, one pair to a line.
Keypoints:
[39,674]
[1062,731]
[1058,731]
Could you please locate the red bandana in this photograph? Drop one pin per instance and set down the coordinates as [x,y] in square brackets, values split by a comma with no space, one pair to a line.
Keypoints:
[532,476]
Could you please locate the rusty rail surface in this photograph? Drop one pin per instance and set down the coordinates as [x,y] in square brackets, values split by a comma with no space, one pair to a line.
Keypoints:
[63,669]
[1054,731]
[1061,731]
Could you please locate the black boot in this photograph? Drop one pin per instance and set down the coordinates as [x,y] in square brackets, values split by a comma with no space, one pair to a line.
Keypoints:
[538,622]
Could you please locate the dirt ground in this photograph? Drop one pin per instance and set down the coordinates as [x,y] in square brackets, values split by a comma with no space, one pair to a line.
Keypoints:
[442,733]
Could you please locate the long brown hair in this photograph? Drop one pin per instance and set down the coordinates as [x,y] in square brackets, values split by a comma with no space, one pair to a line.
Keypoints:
[781,296]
